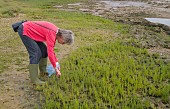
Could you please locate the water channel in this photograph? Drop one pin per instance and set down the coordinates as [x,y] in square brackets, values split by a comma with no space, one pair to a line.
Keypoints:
[159,20]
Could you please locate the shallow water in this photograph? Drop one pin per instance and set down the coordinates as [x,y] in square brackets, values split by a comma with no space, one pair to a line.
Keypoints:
[124,3]
[159,20]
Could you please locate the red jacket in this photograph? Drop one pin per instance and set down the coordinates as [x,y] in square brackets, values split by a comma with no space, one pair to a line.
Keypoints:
[43,31]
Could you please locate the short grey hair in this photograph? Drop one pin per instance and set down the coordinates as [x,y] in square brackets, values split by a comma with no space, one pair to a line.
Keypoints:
[66,35]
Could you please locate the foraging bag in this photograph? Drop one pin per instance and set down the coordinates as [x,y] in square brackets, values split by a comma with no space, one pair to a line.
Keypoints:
[15,26]
[50,69]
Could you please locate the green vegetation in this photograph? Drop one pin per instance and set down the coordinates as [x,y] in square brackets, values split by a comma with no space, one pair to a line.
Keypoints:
[8,8]
[108,75]
[48,3]
[107,70]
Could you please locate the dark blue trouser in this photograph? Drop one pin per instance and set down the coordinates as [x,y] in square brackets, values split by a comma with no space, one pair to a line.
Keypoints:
[36,50]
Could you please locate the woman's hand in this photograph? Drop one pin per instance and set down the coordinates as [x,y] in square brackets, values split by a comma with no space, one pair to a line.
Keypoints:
[58,73]
[58,65]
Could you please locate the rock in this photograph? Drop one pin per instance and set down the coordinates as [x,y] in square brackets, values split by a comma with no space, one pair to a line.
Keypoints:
[76,4]
[84,10]
[70,7]
[58,6]
[100,12]
[167,6]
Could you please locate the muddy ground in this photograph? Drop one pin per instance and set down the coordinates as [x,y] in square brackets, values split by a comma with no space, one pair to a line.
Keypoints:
[15,88]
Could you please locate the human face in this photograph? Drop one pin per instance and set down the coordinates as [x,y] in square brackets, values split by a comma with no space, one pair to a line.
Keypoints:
[61,41]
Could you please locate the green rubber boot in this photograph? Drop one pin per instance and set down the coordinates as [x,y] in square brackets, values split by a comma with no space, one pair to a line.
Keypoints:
[33,70]
[42,67]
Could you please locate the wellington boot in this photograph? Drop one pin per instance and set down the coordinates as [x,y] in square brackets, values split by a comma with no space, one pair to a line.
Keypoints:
[42,67]
[33,70]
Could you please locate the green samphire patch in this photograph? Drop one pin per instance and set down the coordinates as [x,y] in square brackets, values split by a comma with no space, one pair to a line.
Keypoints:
[108,75]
